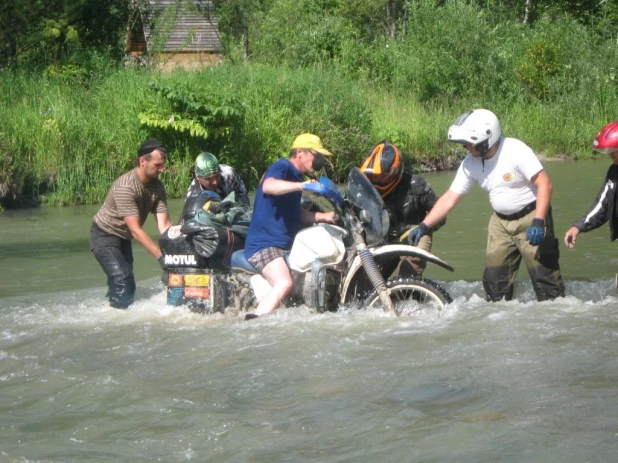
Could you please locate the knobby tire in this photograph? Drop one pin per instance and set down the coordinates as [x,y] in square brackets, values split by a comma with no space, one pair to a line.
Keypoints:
[425,292]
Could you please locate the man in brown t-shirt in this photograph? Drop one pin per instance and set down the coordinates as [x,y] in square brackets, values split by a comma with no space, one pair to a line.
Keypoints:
[129,201]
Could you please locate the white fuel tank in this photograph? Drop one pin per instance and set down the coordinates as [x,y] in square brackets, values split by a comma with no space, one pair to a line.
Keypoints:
[322,241]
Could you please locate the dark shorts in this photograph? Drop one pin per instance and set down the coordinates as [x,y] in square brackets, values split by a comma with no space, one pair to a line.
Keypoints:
[264,257]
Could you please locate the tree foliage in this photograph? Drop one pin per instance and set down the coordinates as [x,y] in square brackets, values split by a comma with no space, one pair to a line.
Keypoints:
[43,32]
[238,19]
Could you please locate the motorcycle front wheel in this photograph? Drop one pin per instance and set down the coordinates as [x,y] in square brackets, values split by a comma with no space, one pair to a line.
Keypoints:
[412,295]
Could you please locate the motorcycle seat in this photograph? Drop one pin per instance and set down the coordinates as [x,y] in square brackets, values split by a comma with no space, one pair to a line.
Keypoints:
[240,262]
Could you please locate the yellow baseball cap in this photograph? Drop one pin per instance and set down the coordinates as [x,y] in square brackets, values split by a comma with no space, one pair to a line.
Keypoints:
[312,142]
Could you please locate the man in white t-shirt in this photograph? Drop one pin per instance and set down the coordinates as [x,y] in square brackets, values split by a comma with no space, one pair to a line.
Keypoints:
[519,192]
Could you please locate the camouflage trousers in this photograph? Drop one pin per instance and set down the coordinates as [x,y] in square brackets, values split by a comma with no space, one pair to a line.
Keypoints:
[507,245]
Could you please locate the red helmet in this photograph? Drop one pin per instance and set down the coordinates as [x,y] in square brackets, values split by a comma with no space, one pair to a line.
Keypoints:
[383,167]
[606,140]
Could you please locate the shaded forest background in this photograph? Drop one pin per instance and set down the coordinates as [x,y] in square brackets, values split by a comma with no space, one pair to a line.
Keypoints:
[73,110]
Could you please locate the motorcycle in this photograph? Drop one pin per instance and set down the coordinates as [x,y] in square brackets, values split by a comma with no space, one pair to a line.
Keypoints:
[333,265]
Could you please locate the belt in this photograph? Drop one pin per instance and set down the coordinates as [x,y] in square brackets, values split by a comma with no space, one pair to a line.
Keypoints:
[518,215]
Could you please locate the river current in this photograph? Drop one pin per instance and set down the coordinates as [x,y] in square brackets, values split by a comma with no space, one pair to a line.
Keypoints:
[517,381]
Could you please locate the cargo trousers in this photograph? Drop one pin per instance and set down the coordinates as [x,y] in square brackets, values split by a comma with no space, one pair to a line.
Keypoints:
[507,246]
[414,266]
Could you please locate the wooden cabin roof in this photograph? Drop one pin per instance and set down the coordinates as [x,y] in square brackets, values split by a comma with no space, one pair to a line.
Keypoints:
[192,27]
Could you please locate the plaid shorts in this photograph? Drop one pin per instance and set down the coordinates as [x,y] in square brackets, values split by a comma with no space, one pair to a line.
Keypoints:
[264,257]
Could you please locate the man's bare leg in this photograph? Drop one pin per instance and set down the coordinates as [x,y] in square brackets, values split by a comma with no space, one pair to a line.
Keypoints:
[277,273]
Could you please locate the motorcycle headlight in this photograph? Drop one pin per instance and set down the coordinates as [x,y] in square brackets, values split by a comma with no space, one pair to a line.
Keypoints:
[365,216]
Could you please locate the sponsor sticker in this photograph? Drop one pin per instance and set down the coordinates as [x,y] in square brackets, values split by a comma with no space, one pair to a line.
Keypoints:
[174,232]
[181,259]
[174,296]
[197,280]
[508,177]
[173,279]
[202,293]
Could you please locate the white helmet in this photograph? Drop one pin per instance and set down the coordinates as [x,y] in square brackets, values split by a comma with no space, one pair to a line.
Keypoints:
[479,127]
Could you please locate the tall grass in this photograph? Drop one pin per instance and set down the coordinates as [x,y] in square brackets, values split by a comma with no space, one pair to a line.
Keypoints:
[553,85]
[66,142]
[277,105]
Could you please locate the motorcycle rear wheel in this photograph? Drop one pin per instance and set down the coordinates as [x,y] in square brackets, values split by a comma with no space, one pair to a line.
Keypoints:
[413,295]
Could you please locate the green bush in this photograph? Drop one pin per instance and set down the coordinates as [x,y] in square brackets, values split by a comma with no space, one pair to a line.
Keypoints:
[276,105]
[299,32]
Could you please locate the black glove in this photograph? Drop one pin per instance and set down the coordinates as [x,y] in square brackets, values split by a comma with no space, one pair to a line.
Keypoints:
[415,235]
[217,208]
[161,260]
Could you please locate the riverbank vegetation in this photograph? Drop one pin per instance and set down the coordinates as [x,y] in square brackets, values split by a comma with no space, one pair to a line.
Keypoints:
[352,71]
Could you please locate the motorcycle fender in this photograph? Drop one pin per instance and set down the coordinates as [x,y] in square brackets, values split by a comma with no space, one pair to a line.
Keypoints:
[405,250]
[401,250]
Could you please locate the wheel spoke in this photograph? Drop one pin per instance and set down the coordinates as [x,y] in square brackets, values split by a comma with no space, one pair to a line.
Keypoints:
[413,295]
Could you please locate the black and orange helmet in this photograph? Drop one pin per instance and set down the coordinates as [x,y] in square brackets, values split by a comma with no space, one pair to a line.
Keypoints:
[383,167]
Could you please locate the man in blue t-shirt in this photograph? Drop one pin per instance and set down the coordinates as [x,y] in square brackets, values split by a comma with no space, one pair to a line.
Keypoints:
[278,216]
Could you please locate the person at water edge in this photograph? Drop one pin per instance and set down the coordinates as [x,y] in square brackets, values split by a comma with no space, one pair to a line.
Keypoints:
[521,225]
[605,205]
[278,216]
[129,200]
[407,198]
[210,175]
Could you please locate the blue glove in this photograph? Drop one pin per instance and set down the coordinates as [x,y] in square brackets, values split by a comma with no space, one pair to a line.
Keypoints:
[313,188]
[536,232]
[415,235]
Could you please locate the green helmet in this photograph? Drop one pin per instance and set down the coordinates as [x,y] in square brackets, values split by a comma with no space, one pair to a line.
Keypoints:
[206,164]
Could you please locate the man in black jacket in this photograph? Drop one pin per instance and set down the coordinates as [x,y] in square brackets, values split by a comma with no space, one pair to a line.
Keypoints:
[407,197]
[604,207]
